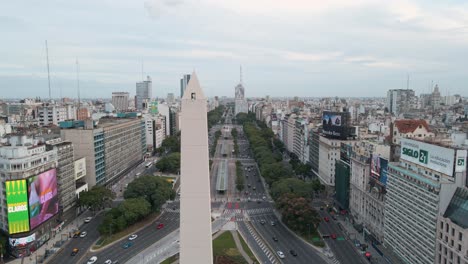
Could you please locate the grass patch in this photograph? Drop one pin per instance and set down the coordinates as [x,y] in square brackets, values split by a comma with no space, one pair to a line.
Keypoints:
[247,249]
[106,240]
[224,246]
[314,238]
[171,259]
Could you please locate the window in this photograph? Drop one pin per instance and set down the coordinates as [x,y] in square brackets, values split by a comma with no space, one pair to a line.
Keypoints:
[460,236]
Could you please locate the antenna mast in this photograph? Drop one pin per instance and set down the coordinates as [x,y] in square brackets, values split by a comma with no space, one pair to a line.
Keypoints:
[78,82]
[48,71]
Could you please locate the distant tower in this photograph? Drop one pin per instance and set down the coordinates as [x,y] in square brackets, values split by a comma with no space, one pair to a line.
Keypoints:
[183,84]
[195,207]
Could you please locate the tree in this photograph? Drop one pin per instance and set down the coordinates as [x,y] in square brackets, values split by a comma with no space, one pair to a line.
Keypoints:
[297,213]
[234,133]
[154,190]
[171,144]
[135,209]
[170,163]
[239,176]
[317,186]
[274,172]
[96,198]
[292,186]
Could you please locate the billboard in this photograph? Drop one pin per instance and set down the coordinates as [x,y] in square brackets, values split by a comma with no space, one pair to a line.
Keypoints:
[17,203]
[22,241]
[80,168]
[375,166]
[383,171]
[460,165]
[430,156]
[335,124]
[43,198]
[153,108]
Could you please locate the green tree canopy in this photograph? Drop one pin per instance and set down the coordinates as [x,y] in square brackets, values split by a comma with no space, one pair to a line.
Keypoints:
[291,185]
[297,213]
[96,198]
[155,190]
[169,163]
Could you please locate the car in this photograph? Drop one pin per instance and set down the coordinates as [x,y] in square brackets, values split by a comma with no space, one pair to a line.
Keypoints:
[258,201]
[334,217]
[272,223]
[75,251]
[77,233]
[133,237]
[326,219]
[333,236]
[108,261]
[248,186]
[321,208]
[275,239]
[83,234]
[127,245]
[87,219]
[246,193]
[254,188]
[293,252]
[280,254]
[264,197]
[160,225]
[262,222]
[248,199]
[92,260]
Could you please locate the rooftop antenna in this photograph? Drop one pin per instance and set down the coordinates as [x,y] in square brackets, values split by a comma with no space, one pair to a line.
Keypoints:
[241,74]
[78,82]
[48,71]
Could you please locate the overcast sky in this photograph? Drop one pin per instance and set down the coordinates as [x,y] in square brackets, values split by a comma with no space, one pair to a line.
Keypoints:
[286,48]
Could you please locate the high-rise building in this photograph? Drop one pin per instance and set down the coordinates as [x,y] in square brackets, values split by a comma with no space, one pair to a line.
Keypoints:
[51,114]
[401,101]
[241,105]
[144,93]
[183,84]
[82,113]
[120,101]
[29,177]
[419,188]
[110,148]
[170,98]
[65,172]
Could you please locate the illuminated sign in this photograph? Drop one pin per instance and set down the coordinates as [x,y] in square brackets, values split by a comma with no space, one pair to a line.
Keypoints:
[22,241]
[43,197]
[17,203]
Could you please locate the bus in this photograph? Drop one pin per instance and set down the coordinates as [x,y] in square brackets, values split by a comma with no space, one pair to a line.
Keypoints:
[149,164]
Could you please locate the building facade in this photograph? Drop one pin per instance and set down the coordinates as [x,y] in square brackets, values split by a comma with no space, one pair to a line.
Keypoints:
[329,153]
[48,114]
[183,84]
[401,101]
[144,93]
[120,101]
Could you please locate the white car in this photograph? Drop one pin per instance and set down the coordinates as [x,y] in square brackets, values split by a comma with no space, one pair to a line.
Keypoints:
[83,234]
[108,261]
[280,254]
[133,237]
[88,219]
[92,260]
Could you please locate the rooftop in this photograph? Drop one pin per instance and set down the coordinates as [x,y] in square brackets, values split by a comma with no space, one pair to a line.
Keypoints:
[410,125]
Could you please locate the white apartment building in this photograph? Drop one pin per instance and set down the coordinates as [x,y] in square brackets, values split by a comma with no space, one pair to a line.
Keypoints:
[419,187]
[329,152]
[301,134]
[120,101]
[155,129]
[290,121]
[53,114]
[367,190]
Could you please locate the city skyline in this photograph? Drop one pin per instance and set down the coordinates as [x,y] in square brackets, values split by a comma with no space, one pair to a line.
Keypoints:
[307,47]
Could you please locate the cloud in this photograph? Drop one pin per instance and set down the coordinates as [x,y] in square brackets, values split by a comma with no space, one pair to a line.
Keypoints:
[156,8]
[311,57]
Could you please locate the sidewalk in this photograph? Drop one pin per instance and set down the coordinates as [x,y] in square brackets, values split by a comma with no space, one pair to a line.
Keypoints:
[54,243]
[383,257]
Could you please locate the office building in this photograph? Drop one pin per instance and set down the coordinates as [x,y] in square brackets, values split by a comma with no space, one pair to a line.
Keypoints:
[301,144]
[170,98]
[50,114]
[183,84]
[452,230]
[155,131]
[343,176]
[241,105]
[65,172]
[401,101]
[110,148]
[419,188]
[329,153]
[120,101]
[144,93]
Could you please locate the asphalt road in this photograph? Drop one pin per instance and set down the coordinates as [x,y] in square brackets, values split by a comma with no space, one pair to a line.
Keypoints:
[146,237]
[83,244]
[343,249]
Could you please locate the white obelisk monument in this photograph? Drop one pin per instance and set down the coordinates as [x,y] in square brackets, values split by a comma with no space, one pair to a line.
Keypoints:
[195,201]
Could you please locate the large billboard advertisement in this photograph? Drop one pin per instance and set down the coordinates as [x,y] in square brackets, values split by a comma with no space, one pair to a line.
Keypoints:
[375,166]
[430,156]
[43,198]
[17,203]
[335,124]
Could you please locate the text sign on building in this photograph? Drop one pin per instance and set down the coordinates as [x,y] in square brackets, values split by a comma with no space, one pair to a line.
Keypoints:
[460,162]
[430,156]
[17,203]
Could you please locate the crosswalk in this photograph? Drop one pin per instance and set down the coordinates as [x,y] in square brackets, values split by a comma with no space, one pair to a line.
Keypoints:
[262,245]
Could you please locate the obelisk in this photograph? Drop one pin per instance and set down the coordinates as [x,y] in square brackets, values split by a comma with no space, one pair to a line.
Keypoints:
[195,201]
